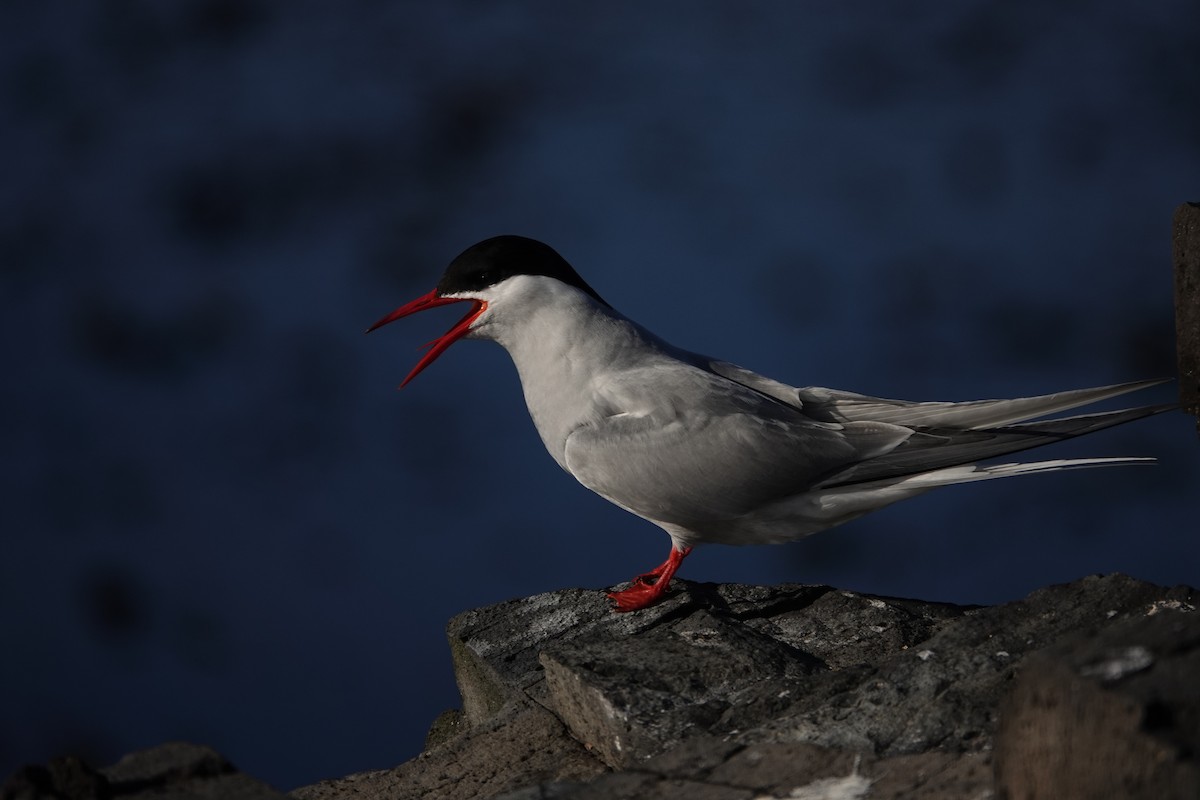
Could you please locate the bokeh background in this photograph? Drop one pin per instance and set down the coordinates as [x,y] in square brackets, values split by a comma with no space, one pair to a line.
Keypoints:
[220,521]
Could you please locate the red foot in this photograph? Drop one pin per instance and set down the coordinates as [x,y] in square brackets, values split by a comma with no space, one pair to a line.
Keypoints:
[648,588]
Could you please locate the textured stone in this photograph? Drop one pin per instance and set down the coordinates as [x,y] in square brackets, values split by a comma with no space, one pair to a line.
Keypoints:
[906,690]
[747,692]
[783,770]
[617,697]
[944,691]
[496,649]
[521,745]
[782,765]
[1108,714]
[445,727]
[65,778]
[173,762]
[845,629]
[172,771]
[932,776]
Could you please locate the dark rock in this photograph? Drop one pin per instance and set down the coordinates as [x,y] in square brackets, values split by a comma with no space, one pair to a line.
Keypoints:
[616,696]
[172,771]
[943,692]
[1113,713]
[743,692]
[844,628]
[445,727]
[910,689]
[496,649]
[705,767]
[67,778]
[171,763]
[520,745]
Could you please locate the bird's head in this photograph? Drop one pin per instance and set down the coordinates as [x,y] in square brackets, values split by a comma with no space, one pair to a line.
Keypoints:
[480,276]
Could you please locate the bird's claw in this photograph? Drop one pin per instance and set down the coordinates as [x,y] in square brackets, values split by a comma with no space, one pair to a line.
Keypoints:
[636,597]
[649,587]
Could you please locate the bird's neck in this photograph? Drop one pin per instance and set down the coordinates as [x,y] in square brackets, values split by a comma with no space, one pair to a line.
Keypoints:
[561,352]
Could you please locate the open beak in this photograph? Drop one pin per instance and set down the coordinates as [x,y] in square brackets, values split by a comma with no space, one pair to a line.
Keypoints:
[438,345]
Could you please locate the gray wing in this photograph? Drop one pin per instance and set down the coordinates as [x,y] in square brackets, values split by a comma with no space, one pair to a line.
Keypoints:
[700,448]
[719,440]
[836,405]
[946,434]
[934,448]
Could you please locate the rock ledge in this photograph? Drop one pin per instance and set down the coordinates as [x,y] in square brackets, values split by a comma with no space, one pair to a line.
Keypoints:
[741,692]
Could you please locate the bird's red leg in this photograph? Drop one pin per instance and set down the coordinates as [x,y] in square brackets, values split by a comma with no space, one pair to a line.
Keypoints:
[650,578]
[648,588]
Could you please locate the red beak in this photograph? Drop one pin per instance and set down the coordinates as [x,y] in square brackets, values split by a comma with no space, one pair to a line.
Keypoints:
[439,345]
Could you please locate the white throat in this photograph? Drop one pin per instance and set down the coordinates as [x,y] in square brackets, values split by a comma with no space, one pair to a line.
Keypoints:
[565,345]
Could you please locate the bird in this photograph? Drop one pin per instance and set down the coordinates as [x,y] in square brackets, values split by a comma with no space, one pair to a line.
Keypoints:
[709,451]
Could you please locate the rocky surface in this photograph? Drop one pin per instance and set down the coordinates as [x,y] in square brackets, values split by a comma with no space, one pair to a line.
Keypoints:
[1094,713]
[1081,690]
[172,771]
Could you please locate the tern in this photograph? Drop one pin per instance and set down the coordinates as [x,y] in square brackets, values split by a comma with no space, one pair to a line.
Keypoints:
[712,452]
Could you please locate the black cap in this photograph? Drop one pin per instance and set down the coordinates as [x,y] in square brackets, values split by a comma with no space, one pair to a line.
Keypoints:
[493,260]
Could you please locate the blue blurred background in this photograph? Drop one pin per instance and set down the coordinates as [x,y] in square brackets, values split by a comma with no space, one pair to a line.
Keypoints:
[221,523]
